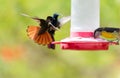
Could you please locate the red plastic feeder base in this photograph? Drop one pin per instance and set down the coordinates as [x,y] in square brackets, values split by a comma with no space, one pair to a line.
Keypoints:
[83,41]
[83,44]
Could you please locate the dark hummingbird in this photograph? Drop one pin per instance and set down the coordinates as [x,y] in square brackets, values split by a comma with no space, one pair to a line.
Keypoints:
[51,30]
[57,23]
[44,33]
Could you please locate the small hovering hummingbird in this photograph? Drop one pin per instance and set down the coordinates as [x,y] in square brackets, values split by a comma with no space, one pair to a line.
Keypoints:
[44,33]
[57,23]
[108,33]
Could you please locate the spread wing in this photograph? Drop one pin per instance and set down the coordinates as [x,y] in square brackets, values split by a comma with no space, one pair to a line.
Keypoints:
[64,20]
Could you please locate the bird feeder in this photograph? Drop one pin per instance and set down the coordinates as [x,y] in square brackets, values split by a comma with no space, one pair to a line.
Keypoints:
[85,19]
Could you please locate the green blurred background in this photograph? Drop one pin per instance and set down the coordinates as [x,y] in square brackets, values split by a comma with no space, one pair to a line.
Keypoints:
[20,57]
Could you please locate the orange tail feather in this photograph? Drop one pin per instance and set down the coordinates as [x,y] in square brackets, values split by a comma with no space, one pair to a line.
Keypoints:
[43,39]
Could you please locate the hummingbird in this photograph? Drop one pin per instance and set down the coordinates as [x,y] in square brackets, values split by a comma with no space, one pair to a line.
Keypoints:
[44,33]
[57,23]
[110,34]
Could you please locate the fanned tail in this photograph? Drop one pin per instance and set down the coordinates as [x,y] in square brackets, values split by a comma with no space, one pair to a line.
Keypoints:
[42,39]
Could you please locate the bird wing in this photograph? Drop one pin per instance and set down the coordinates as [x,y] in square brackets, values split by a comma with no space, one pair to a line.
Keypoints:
[64,20]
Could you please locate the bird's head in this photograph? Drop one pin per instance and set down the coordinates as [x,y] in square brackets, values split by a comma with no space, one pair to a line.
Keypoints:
[49,19]
[55,15]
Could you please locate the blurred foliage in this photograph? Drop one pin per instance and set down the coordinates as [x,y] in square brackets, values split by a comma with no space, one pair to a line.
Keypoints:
[20,57]
[110,13]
